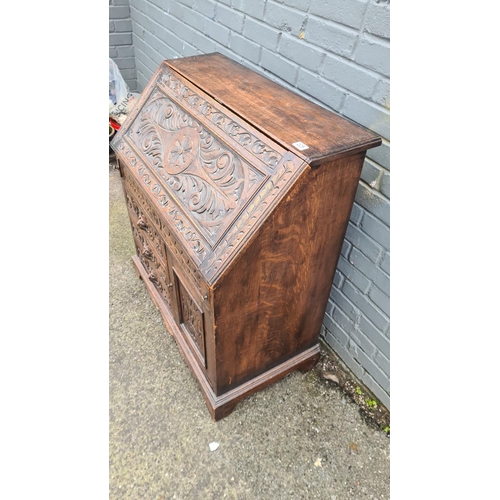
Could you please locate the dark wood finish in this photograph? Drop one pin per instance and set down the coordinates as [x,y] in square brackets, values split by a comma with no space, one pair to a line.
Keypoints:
[271,303]
[237,233]
[278,112]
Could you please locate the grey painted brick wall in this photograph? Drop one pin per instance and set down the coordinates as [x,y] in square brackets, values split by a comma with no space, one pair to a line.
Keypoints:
[121,49]
[336,54]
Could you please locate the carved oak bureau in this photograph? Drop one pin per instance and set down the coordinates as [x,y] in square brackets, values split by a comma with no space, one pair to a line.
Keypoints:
[239,194]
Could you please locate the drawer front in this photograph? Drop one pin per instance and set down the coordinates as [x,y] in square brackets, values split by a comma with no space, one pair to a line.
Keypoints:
[146,229]
[150,250]
[157,270]
[160,233]
[191,320]
[170,269]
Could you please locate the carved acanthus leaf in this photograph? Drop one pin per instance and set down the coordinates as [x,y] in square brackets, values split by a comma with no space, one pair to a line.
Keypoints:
[206,176]
[244,137]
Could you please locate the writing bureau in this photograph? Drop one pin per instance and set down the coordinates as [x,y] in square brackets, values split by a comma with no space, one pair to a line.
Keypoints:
[239,194]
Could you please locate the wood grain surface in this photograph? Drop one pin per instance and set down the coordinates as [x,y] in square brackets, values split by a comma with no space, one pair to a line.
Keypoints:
[281,114]
[271,302]
[237,232]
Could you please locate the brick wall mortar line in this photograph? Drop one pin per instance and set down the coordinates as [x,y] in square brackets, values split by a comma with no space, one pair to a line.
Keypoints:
[333,84]
[351,63]
[146,56]
[280,35]
[142,74]
[361,181]
[374,104]
[303,26]
[361,219]
[378,165]
[357,310]
[382,355]
[170,32]
[369,37]
[378,259]
[350,359]
[348,254]
[265,9]
[360,291]
[160,40]
[250,64]
[322,63]
[278,47]
[349,29]
[346,366]
[364,294]
[360,31]
[341,329]
[376,185]
[382,332]
[368,299]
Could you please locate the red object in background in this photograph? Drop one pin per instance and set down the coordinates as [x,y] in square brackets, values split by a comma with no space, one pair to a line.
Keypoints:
[114,124]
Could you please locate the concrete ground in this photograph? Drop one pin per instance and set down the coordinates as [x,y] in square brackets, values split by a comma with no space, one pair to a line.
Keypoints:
[300,438]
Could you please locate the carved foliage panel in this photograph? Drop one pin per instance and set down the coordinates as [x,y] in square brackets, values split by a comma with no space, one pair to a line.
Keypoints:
[211,182]
[256,211]
[150,248]
[141,221]
[166,234]
[148,191]
[211,199]
[157,271]
[241,134]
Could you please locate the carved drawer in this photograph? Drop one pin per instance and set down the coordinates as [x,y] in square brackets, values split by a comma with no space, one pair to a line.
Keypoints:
[145,227]
[170,271]
[239,194]
[162,236]
[150,250]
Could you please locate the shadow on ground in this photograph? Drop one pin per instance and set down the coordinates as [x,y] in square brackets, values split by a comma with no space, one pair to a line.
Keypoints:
[300,438]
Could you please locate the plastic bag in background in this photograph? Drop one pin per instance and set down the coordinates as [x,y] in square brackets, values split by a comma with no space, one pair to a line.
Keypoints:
[121,100]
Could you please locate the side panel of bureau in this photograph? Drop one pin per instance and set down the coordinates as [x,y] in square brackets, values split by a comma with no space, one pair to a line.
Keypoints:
[270,304]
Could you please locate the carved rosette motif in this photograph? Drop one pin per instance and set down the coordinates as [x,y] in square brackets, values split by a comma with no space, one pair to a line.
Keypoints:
[210,198]
[207,178]
[240,134]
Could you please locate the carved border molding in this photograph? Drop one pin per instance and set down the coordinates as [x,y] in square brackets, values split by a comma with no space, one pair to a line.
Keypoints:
[250,217]
[203,262]
[192,319]
[259,149]
[175,215]
[208,179]
[287,173]
[187,264]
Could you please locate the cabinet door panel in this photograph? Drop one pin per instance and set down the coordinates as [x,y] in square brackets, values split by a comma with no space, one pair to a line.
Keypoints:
[191,320]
